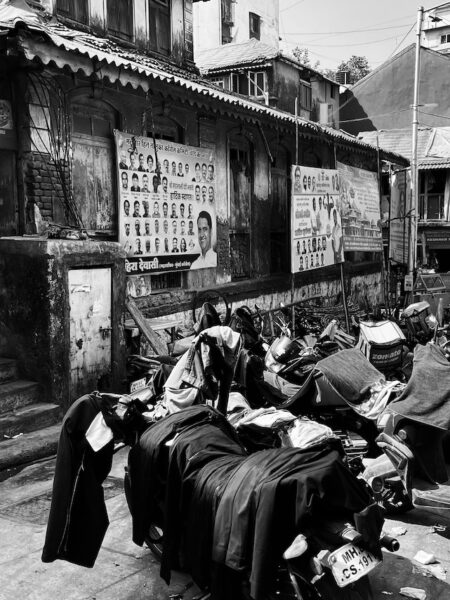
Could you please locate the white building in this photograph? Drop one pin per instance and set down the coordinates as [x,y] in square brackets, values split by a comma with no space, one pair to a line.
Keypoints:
[436,28]
[218,22]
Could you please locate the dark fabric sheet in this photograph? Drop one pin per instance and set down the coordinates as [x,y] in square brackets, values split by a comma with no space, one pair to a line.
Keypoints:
[350,373]
[222,509]
[270,498]
[426,397]
[78,519]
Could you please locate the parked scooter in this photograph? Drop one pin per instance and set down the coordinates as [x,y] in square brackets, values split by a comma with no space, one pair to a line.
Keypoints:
[290,376]
[414,434]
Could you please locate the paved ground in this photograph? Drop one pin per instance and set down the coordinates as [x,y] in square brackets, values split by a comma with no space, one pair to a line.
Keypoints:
[124,571]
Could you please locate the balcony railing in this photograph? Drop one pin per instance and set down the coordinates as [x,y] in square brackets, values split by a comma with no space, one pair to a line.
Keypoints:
[432,207]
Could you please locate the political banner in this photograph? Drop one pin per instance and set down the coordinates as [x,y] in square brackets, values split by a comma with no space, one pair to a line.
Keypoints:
[360,209]
[167,206]
[316,231]
[399,222]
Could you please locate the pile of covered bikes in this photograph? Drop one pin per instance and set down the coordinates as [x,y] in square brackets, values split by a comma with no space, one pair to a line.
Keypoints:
[263,468]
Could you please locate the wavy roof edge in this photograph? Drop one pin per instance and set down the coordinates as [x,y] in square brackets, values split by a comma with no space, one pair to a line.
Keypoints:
[105,51]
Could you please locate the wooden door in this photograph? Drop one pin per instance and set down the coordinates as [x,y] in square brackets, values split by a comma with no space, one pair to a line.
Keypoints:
[90,330]
[8,198]
[93,184]
[279,222]
[240,212]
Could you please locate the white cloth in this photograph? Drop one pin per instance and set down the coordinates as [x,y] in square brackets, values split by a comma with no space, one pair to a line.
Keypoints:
[209,260]
[98,434]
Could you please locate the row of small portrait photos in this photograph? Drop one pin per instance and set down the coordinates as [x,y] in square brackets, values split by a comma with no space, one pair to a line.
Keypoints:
[163,246]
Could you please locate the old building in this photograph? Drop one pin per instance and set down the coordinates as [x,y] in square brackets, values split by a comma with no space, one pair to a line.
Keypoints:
[83,83]
[239,50]
[378,110]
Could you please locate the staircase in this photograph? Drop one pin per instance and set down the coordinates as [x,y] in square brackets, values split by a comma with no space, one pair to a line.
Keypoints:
[29,428]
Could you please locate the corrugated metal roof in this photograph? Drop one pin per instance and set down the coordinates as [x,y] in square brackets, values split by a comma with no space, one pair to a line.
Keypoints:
[128,61]
[253,52]
[433,144]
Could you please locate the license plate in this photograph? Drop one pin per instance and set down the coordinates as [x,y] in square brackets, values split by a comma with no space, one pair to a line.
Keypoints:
[349,563]
[139,384]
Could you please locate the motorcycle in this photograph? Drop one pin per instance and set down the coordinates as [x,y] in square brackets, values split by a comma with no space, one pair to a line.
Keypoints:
[188,474]
[290,376]
[413,435]
[315,531]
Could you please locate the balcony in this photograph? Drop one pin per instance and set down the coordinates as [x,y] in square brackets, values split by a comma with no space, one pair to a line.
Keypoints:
[432,207]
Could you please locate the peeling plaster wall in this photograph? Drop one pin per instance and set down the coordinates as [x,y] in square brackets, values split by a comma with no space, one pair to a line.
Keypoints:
[34,307]
[362,290]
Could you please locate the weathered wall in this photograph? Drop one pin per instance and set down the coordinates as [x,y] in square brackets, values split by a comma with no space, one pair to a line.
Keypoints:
[363,288]
[34,307]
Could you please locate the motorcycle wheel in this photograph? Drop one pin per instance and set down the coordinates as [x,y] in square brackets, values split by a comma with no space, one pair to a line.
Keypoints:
[395,502]
[219,302]
[154,541]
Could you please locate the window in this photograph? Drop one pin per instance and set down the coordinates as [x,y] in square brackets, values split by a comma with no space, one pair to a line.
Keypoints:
[445,39]
[332,91]
[235,87]
[227,18]
[220,81]
[254,26]
[160,32]
[120,18]
[76,10]
[257,83]
[305,96]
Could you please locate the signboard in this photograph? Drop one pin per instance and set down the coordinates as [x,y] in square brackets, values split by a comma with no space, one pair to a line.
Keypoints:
[408,283]
[167,219]
[316,232]
[399,222]
[438,239]
[360,209]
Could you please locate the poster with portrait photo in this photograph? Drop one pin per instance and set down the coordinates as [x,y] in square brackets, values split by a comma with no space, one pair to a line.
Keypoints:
[360,209]
[167,205]
[316,231]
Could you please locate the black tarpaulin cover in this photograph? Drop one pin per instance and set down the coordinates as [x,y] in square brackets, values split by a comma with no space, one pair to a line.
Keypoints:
[426,397]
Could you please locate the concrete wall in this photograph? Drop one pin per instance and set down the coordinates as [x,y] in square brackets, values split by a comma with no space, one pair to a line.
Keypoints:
[382,100]
[34,308]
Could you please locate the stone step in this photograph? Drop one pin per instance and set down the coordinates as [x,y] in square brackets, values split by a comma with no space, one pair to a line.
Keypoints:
[27,448]
[8,369]
[29,418]
[18,394]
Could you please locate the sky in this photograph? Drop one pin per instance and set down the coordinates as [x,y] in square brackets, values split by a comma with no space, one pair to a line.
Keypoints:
[334,30]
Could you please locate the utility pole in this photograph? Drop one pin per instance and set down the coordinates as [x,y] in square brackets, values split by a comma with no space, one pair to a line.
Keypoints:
[412,258]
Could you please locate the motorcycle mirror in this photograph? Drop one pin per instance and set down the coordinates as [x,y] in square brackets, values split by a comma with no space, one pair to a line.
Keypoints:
[298,547]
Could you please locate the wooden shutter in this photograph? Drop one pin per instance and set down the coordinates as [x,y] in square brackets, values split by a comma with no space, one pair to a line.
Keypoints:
[120,18]
[160,32]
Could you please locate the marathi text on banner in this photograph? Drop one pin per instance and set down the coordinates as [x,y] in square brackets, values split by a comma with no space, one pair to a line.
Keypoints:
[167,211]
[360,209]
[316,238]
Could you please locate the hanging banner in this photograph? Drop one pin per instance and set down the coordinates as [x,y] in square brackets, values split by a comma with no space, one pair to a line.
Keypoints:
[360,209]
[316,231]
[399,222]
[167,220]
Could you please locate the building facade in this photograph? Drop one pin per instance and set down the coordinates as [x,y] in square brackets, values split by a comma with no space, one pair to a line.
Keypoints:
[75,73]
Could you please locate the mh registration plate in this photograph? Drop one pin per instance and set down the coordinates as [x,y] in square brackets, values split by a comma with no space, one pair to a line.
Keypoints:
[349,563]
